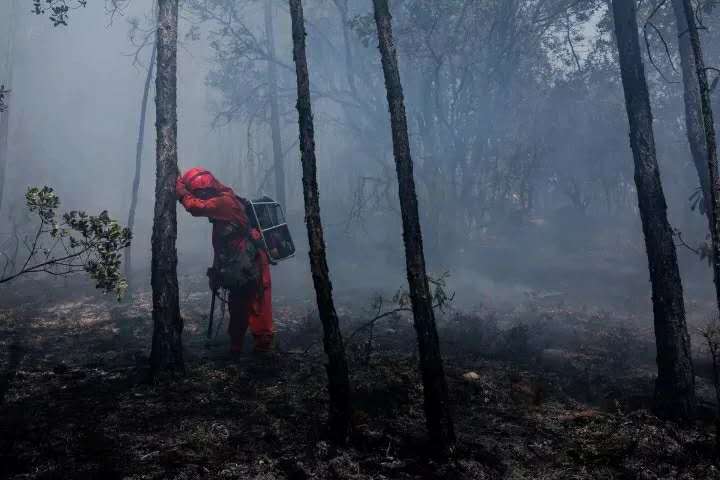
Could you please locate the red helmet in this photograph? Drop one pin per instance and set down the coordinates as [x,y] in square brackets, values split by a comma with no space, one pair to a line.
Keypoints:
[199,179]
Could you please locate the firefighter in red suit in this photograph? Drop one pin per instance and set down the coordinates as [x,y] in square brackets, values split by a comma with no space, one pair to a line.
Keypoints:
[203,195]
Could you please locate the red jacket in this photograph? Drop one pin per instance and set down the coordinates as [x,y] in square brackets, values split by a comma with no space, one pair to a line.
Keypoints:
[203,195]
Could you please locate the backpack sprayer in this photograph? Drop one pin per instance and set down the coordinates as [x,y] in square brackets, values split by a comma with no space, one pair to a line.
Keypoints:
[268,217]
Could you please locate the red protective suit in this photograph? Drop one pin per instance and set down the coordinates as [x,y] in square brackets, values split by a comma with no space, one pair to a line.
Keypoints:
[203,195]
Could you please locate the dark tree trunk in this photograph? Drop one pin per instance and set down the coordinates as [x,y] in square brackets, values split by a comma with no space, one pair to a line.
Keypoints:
[675,385]
[138,159]
[279,167]
[338,382]
[4,130]
[708,124]
[437,409]
[693,103]
[166,353]
[5,116]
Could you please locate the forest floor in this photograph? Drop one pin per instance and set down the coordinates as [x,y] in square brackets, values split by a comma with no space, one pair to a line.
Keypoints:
[545,391]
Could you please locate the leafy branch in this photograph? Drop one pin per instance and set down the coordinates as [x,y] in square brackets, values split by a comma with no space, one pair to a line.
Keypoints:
[703,251]
[441,300]
[76,242]
[58,11]
[711,334]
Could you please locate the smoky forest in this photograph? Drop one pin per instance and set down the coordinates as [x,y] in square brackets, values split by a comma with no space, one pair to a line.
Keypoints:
[359,239]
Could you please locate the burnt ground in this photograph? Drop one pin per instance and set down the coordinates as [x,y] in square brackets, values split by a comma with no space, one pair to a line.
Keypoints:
[542,391]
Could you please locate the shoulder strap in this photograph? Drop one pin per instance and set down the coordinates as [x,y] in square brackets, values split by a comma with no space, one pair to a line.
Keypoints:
[249,211]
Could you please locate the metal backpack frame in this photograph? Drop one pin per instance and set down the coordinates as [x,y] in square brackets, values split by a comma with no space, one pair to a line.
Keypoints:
[265,200]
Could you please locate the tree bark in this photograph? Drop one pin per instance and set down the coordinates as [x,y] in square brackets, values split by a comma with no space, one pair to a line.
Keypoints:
[708,127]
[437,409]
[279,167]
[138,159]
[693,108]
[675,385]
[338,381]
[5,116]
[166,355]
[4,131]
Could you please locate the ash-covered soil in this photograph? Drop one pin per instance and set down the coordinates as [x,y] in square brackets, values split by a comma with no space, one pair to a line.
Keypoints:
[542,391]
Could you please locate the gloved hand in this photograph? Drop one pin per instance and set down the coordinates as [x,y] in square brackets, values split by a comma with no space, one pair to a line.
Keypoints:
[256,238]
[180,189]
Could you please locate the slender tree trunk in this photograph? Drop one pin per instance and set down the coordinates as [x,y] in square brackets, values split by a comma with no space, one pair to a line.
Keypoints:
[693,104]
[4,130]
[166,355]
[437,409]
[279,167]
[430,173]
[342,6]
[675,385]
[138,158]
[708,127]
[239,164]
[5,116]
[338,381]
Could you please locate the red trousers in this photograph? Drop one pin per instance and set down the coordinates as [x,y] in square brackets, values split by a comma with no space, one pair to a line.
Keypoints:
[253,308]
